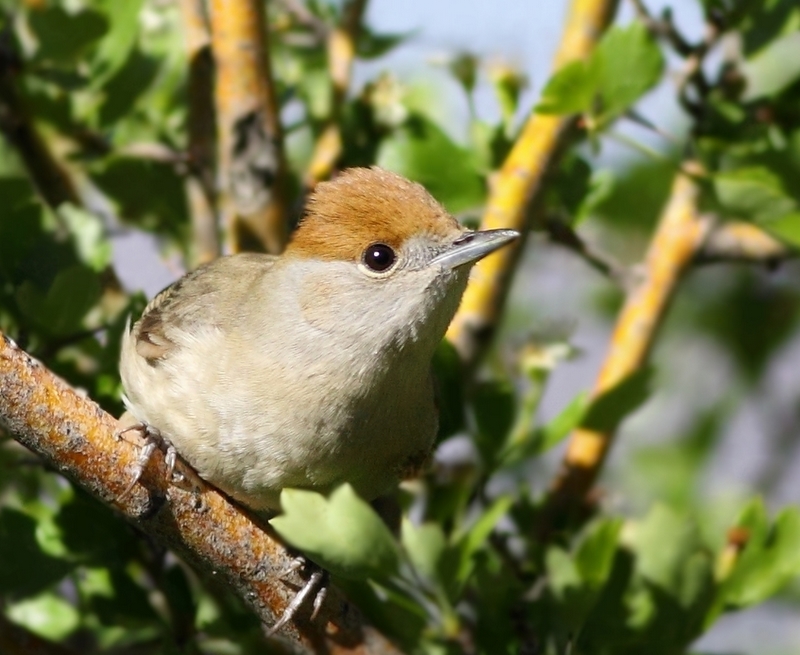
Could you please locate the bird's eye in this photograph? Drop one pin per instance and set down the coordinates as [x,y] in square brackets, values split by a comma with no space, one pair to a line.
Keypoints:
[379,257]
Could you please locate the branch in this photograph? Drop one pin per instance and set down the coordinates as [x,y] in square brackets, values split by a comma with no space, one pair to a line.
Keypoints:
[520,183]
[679,235]
[200,188]
[72,434]
[341,52]
[251,157]
[743,242]
[562,233]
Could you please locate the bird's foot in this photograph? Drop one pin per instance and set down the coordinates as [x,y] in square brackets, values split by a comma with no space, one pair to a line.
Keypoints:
[153,439]
[316,587]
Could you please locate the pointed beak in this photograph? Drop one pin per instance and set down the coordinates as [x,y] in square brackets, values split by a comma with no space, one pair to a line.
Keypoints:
[472,246]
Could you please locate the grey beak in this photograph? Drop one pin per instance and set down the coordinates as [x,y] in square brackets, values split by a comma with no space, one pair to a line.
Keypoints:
[472,246]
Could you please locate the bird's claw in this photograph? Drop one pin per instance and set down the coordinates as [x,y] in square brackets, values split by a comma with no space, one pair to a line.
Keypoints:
[153,440]
[317,584]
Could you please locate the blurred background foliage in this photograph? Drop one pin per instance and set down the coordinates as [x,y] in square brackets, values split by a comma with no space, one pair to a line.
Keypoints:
[695,515]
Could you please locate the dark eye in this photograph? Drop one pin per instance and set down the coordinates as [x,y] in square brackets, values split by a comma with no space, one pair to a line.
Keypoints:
[379,257]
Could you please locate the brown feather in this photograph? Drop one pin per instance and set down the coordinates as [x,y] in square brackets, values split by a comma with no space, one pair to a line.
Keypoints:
[363,206]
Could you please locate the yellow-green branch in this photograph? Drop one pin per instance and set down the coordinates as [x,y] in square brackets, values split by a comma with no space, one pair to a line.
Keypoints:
[520,183]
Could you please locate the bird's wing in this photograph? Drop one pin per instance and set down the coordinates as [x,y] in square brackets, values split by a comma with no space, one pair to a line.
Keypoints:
[202,297]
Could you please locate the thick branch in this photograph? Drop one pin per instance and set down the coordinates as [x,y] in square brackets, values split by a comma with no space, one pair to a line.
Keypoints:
[679,235]
[251,157]
[341,53]
[520,183]
[200,187]
[76,437]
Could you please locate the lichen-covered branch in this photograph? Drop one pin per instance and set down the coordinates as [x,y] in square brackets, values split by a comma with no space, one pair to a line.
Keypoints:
[75,436]
[200,186]
[681,232]
[519,184]
[252,166]
[341,52]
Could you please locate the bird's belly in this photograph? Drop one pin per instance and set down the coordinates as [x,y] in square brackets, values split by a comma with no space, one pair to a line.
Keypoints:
[253,446]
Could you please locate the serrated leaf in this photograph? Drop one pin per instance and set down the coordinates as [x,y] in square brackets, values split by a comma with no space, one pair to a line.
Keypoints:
[753,193]
[665,542]
[770,559]
[341,533]
[626,64]
[630,65]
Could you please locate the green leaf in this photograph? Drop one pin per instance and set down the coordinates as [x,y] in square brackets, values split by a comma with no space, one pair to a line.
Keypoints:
[94,248]
[570,91]
[47,615]
[64,36]
[786,228]
[425,545]
[370,45]
[595,553]
[566,421]
[119,41]
[769,561]
[422,151]
[449,383]
[626,64]
[466,547]
[342,533]
[608,411]
[562,574]
[61,311]
[25,569]
[630,65]
[754,193]
[126,86]
[666,545]
[494,406]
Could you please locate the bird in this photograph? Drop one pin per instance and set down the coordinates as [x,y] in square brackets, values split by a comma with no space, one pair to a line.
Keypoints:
[312,368]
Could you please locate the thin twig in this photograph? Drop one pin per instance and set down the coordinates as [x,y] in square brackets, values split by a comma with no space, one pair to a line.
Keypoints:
[737,241]
[519,184]
[563,234]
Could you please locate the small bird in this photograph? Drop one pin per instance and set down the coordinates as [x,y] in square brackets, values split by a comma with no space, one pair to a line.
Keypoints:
[312,368]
